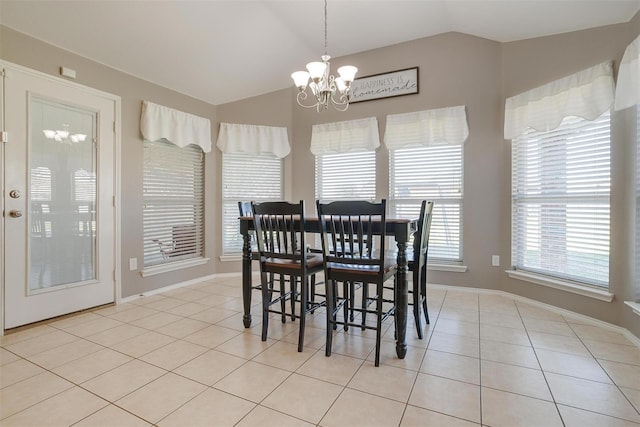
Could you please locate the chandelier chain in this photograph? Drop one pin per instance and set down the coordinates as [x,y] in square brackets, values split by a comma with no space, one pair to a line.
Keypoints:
[325,27]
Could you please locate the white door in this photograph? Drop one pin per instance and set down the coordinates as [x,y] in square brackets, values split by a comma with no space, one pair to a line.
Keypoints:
[59,164]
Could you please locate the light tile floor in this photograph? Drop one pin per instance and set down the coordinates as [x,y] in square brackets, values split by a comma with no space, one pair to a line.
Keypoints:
[183,358]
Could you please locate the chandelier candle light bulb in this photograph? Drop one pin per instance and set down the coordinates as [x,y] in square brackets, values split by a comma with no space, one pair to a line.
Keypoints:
[326,89]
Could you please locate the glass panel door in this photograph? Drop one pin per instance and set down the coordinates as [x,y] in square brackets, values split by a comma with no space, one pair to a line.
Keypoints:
[62,162]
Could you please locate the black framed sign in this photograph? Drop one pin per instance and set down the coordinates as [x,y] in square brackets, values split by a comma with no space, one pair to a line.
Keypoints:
[385,85]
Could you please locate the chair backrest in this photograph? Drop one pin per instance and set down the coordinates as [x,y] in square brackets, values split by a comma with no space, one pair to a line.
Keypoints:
[245,209]
[353,232]
[421,236]
[279,230]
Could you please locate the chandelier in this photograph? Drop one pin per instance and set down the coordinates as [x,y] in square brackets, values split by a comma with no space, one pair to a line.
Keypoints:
[325,88]
[64,135]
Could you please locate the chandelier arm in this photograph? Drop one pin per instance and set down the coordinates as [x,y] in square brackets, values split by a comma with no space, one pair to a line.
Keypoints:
[303,96]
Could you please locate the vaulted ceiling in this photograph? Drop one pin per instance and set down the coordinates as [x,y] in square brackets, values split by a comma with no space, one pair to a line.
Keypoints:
[222,51]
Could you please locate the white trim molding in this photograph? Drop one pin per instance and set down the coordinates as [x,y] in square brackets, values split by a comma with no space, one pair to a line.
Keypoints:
[563,285]
[635,306]
[172,266]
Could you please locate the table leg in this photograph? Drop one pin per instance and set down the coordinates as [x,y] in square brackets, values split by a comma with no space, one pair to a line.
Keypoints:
[246,279]
[402,299]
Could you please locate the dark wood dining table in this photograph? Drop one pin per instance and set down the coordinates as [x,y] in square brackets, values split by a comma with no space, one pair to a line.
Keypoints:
[401,229]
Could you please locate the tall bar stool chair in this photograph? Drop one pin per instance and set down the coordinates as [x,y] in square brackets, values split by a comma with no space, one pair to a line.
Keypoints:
[417,264]
[353,246]
[283,253]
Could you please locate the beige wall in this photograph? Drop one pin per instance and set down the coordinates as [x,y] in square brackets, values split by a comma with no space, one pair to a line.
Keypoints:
[455,69]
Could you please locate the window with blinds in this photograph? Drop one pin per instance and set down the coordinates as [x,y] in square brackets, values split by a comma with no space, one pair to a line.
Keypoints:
[173,211]
[560,201]
[430,173]
[346,176]
[246,178]
[637,294]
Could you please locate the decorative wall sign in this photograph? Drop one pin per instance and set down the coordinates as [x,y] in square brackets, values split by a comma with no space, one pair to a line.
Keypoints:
[385,85]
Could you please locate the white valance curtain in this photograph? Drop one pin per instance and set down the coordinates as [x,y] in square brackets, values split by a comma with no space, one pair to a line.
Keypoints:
[253,139]
[586,94]
[628,86]
[347,136]
[158,122]
[429,127]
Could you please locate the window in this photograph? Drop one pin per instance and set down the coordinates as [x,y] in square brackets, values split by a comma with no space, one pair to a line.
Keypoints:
[560,201]
[430,173]
[426,163]
[637,293]
[346,176]
[246,177]
[173,213]
[346,159]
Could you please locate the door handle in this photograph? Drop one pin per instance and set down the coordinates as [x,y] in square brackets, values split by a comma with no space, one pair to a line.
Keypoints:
[15,213]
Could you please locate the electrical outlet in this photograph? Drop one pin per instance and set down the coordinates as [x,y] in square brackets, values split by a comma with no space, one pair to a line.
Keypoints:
[133,264]
[495,260]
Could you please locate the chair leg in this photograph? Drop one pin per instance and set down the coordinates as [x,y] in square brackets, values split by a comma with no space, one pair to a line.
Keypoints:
[293,288]
[378,324]
[423,292]
[266,301]
[365,304]
[329,284]
[416,303]
[283,305]
[347,305]
[303,309]
[352,300]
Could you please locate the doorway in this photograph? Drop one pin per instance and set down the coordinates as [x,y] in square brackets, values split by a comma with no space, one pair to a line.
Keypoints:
[59,188]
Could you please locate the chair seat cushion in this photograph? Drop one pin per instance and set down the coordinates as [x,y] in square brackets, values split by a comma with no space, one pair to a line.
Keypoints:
[389,264]
[313,261]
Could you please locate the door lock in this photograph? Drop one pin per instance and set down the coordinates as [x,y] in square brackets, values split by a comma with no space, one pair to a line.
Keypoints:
[14,194]
[15,213]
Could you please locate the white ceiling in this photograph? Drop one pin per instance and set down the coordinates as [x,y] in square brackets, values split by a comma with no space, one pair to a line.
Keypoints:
[222,51]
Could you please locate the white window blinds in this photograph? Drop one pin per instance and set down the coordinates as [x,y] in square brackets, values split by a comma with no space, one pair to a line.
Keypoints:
[346,176]
[560,200]
[345,159]
[426,163]
[246,178]
[173,211]
[637,293]
[628,88]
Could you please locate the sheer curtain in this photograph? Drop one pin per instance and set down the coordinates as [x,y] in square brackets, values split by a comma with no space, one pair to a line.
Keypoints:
[344,137]
[425,128]
[158,122]
[586,94]
[628,87]
[253,139]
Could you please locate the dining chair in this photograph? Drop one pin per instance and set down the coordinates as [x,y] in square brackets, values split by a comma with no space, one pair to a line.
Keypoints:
[417,264]
[283,253]
[353,245]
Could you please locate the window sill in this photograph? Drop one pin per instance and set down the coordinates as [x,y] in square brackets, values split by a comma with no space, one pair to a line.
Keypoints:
[172,266]
[452,268]
[231,257]
[635,306]
[562,285]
